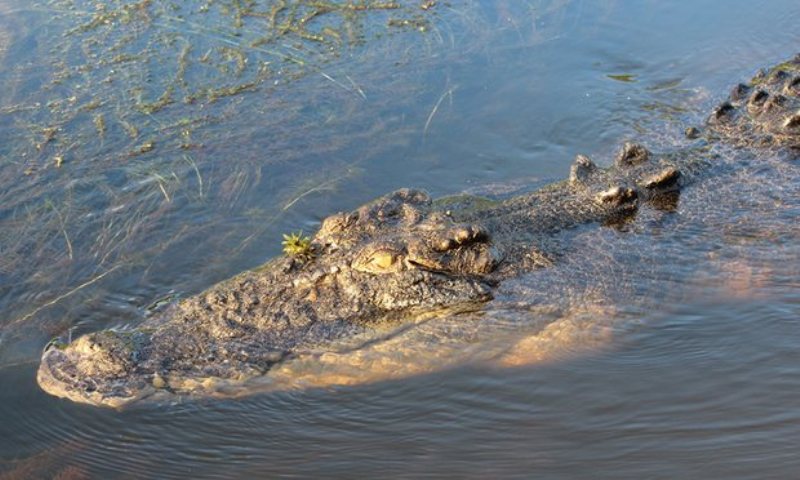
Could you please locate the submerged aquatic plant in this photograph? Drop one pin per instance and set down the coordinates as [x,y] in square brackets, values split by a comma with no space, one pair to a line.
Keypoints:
[137,67]
[129,114]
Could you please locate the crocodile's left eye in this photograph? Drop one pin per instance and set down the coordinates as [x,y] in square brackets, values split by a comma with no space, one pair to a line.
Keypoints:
[380,259]
[383,260]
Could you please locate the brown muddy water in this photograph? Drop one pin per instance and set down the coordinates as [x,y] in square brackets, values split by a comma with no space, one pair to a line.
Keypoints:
[150,149]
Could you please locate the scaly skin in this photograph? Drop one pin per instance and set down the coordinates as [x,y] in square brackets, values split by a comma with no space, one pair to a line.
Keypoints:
[398,257]
[764,112]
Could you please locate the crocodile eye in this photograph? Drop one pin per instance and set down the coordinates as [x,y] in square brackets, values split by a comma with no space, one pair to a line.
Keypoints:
[379,260]
[382,260]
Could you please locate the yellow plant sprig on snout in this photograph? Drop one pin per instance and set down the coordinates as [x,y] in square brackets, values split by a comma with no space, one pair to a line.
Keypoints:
[297,245]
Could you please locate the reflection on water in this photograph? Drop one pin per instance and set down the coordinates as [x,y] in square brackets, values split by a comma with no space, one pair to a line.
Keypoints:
[152,148]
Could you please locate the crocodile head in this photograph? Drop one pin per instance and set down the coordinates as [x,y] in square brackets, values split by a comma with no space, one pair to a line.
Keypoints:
[95,368]
[394,257]
[399,238]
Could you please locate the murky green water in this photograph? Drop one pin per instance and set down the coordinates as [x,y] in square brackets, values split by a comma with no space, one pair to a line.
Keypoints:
[151,149]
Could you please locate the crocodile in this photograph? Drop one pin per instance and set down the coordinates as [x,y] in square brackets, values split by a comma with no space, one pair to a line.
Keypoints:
[401,257]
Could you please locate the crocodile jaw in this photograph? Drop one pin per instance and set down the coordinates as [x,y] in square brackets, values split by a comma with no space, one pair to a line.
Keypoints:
[55,376]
